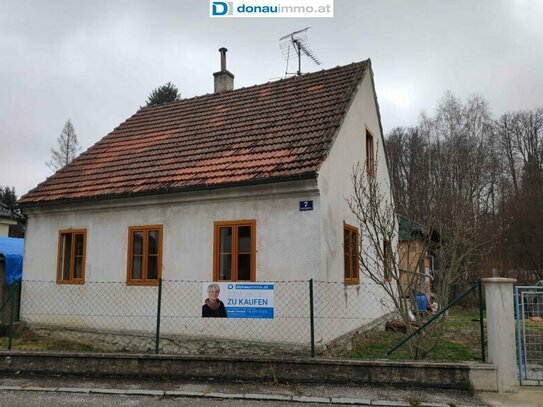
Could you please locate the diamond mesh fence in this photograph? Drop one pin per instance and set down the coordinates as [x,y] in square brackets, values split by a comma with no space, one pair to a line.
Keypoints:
[304,318]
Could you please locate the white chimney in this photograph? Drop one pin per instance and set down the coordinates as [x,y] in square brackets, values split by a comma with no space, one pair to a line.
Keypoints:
[224,79]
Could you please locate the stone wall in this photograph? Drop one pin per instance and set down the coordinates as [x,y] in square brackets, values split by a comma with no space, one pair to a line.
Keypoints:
[476,376]
[144,342]
[346,343]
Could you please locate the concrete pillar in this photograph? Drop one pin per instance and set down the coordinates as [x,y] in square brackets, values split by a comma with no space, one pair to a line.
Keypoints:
[500,321]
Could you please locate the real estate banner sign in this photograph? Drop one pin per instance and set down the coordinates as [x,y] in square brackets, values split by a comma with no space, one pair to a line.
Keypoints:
[238,300]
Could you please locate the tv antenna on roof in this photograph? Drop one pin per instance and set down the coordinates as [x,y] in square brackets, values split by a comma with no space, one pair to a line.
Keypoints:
[294,45]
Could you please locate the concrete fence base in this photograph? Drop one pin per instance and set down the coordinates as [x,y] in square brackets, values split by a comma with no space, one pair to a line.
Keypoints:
[475,376]
[144,342]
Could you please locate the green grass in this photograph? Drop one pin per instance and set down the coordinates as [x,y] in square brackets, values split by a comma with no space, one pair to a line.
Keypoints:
[461,318]
[378,344]
[460,341]
[534,326]
[28,340]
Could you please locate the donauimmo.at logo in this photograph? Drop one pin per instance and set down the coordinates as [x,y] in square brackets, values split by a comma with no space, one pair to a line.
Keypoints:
[270,8]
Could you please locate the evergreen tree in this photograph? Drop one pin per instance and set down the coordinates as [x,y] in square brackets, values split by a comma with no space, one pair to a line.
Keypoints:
[163,94]
[8,196]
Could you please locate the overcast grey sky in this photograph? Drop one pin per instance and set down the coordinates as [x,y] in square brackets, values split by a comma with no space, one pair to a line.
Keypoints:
[95,62]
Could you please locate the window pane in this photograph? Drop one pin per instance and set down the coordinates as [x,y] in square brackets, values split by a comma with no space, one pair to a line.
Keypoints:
[244,267]
[225,240]
[66,252]
[152,268]
[244,239]
[137,243]
[346,241]
[136,267]
[153,242]
[346,253]
[78,267]
[369,153]
[225,267]
[354,255]
[79,239]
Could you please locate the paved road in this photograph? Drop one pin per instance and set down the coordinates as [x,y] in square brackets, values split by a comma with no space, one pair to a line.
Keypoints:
[206,389]
[44,399]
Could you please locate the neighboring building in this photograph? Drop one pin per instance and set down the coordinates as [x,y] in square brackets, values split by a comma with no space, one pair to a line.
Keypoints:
[416,262]
[239,185]
[7,219]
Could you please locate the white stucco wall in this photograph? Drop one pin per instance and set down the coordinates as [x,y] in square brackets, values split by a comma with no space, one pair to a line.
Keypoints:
[287,240]
[287,243]
[366,300]
[335,183]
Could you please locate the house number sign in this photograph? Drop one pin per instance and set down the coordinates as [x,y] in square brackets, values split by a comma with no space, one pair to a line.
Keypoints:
[306,205]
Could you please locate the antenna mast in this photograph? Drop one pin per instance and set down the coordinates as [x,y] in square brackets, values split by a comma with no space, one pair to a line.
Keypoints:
[297,41]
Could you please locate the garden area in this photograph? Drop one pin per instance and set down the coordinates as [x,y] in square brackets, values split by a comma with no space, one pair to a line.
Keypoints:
[459,340]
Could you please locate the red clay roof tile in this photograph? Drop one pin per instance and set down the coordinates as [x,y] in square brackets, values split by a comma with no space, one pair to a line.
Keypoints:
[262,133]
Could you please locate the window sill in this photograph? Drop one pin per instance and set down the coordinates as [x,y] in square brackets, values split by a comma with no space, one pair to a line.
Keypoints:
[352,282]
[71,282]
[148,283]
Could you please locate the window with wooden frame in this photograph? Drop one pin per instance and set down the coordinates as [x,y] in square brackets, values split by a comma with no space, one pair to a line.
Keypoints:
[144,255]
[71,256]
[387,260]
[350,254]
[234,251]
[370,154]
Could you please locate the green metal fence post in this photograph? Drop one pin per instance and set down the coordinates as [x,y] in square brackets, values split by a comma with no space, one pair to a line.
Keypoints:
[311,318]
[159,305]
[481,322]
[13,298]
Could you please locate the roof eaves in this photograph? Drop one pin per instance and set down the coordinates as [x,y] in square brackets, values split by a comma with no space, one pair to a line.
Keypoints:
[263,181]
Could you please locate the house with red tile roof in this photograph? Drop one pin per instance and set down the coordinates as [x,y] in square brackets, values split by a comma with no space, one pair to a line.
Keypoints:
[246,184]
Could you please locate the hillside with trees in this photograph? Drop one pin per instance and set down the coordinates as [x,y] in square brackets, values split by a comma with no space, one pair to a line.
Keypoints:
[477,180]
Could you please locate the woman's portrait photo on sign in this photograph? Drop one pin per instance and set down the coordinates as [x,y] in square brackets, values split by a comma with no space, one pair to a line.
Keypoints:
[213,307]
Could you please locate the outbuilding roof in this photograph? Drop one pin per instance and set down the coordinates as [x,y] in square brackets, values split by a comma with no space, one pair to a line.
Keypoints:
[8,214]
[5,212]
[265,133]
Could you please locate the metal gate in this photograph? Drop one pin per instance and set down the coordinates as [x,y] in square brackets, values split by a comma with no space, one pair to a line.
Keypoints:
[529,316]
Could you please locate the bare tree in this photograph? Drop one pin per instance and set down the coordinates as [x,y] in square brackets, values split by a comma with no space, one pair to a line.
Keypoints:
[381,258]
[67,148]
[408,156]
[460,185]
[521,137]
[476,181]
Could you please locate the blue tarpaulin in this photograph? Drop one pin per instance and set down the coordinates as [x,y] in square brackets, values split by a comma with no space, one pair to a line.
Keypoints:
[12,249]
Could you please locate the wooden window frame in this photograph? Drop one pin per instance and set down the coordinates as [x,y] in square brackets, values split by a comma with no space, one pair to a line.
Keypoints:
[370,155]
[72,280]
[354,274]
[144,280]
[234,266]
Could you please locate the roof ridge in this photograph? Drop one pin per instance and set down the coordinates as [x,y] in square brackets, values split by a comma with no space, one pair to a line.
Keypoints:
[246,88]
